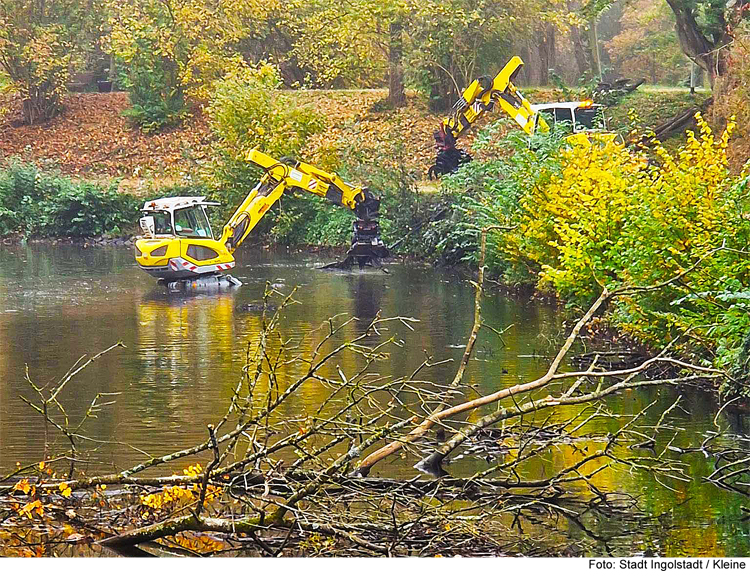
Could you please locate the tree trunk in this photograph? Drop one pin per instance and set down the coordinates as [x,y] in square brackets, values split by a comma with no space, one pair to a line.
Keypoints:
[580,52]
[39,107]
[525,75]
[441,90]
[396,95]
[709,55]
[546,53]
[594,48]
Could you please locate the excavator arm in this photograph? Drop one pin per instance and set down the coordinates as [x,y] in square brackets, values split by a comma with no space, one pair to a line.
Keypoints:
[480,97]
[280,177]
[178,247]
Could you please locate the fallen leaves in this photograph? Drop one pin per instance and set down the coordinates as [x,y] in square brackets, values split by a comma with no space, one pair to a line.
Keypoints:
[32,507]
[92,139]
[23,485]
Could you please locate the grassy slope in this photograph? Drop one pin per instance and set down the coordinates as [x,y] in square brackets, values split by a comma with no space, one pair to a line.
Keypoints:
[654,106]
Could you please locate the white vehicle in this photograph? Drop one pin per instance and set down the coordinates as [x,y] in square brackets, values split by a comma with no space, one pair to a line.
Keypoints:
[584,116]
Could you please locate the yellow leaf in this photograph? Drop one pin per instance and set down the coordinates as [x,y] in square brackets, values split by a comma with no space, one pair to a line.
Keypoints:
[23,485]
[29,508]
[65,489]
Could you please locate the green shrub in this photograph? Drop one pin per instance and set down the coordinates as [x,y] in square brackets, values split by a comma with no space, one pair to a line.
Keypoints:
[386,169]
[42,204]
[248,111]
[156,96]
[17,193]
[307,219]
[488,192]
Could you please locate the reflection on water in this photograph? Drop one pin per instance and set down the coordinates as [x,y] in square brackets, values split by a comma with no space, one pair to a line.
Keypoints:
[184,356]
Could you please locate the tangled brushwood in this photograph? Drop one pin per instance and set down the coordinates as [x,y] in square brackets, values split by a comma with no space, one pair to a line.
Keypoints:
[268,485]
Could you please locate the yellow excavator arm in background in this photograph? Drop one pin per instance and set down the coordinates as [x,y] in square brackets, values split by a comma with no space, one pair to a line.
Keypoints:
[280,177]
[482,95]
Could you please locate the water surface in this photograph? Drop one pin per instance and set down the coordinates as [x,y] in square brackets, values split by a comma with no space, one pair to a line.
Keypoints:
[183,357]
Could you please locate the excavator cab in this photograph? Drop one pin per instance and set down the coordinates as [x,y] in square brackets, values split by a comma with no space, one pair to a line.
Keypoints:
[177,216]
[178,241]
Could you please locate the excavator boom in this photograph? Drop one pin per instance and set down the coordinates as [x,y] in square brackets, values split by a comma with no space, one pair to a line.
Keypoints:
[280,177]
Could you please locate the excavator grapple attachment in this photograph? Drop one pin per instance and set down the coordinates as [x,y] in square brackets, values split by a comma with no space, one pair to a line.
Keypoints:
[367,247]
[449,157]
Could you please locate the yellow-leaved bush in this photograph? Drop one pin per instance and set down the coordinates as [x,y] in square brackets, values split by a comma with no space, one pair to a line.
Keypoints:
[571,225]
[603,213]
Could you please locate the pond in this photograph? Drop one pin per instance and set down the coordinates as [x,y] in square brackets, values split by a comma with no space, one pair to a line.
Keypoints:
[184,355]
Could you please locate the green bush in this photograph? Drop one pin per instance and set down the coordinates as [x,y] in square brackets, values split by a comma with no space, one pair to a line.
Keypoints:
[156,97]
[307,219]
[488,192]
[248,111]
[42,204]
[386,169]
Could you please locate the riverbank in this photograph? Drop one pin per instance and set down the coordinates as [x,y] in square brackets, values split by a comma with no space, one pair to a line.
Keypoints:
[81,241]
[92,140]
[580,216]
[668,229]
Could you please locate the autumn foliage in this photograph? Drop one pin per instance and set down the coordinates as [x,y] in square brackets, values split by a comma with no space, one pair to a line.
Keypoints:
[603,214]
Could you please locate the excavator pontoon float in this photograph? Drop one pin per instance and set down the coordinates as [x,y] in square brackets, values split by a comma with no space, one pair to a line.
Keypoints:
[179,247]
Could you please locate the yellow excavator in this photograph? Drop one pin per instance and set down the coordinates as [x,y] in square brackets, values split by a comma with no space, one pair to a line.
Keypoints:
[179,248]
[484,93]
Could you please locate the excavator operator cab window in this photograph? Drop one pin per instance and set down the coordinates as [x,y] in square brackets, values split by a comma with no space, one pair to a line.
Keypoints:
[564,115]
[577,119]
[558,116]
[162,223]
[192,222]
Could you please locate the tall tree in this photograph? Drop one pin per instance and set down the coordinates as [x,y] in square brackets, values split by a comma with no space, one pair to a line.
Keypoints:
[195,41]
[396,93]
[546,45]
[647,44]
[702,29]
[40,41]
[452,42]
